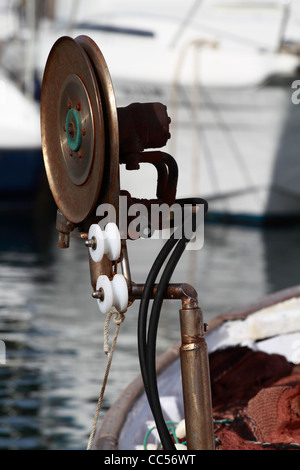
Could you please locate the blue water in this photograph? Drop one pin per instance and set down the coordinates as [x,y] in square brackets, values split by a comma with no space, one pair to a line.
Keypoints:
[53,331]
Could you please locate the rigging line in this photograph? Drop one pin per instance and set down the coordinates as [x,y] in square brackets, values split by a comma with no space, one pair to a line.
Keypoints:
[208,156]
[207,153]
[197,91]
[234,193]
[190,14]
[227,131]
[285,191]
[119,318]
[286,13]
[225,34]
[195,113]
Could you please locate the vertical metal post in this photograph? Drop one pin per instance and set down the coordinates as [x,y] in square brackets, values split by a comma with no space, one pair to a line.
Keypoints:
[196,381]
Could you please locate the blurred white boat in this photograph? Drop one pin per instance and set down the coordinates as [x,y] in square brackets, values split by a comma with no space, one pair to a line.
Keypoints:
[225,69]
[21,161]
[22,173]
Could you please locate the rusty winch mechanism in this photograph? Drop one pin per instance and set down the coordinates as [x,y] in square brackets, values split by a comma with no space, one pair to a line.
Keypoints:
[85,138]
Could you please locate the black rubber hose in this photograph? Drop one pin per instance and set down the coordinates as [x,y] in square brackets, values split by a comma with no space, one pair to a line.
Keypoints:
[152,333]
[148,290]
[144,304]
[147,358]
[163,431]
[142,335]
[193,201]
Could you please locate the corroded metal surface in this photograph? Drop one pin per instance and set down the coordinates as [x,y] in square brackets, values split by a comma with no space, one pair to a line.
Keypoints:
[142,126]
[183,292]
[76,129]
[111,183]
[75,177]
[196,381]
[167,176]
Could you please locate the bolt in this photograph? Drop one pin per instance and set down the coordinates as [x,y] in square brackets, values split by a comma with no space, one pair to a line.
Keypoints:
[83,131]
[78,107]
[80,154]
[91,243]
[99,295]
[69,104]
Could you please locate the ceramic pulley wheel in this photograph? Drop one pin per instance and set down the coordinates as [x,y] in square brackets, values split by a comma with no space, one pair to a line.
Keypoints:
[115,293]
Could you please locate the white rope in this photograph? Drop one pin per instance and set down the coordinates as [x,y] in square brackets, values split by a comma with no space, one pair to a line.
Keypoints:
[118,320]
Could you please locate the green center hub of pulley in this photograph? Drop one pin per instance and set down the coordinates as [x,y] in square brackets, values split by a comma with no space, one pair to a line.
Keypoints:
[73,129]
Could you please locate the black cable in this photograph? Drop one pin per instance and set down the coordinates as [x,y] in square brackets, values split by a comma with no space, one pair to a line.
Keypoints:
[165,437]
[144,304]
[193,201]
[153,393]
[150,376]
[149,285]
[147,346]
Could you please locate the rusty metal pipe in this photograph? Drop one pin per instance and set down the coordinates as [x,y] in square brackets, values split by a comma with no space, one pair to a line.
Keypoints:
[184,292]
[194,365]
[167,172]
[125,264]
[157,157]
[196,381]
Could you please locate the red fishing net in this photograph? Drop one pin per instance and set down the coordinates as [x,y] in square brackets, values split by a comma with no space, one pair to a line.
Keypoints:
[256,400]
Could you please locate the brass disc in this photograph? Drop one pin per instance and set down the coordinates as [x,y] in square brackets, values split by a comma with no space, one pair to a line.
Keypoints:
[72,127]
[110,189]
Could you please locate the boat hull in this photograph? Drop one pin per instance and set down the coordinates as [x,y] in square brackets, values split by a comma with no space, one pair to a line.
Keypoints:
[267,326]
[22,177]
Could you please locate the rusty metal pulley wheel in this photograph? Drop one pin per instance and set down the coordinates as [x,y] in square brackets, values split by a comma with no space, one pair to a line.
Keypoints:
[77,123]
[110,188]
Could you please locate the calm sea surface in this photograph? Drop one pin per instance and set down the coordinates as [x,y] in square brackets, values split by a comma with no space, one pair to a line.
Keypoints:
[53,331]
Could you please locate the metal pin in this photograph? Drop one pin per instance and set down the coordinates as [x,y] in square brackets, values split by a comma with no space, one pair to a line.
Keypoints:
[99,295]
[91,243]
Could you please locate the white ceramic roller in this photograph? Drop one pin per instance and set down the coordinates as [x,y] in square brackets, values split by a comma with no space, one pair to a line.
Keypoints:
[114,293]
[104,242]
